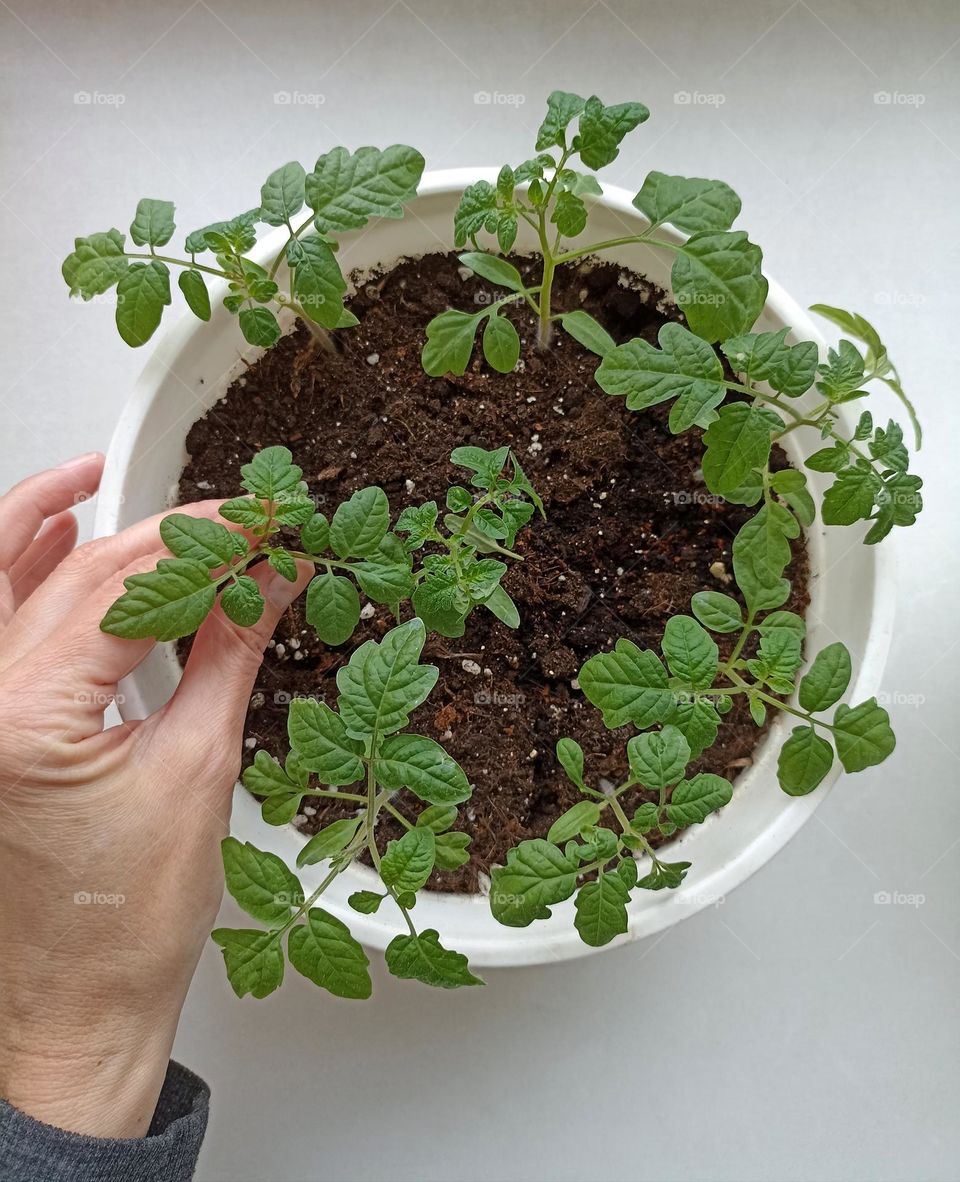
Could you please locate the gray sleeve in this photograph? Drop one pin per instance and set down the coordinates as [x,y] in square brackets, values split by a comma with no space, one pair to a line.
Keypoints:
[31,1151]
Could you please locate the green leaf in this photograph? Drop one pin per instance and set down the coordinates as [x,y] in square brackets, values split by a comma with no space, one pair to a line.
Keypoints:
[602,129]
[766,357]
[569,214]
[143,291]
[501,344]
[449,344]
[345,190]
[863,735]
[827,678]
[737,443]
[95,265]
[284,564]
[779,658]
[259,881]
[664,875]
[383,683]
[259,326]
[495,269]
[320,739]
[584,329]
[718,285]
[329,841]
[476,211]
[271,474]
[386,577]
[602,910]
[249,512]
[536,876]
[684,368]
[628,872]
[693,800]
[408,862]
[318,285]
[438,817]
[452,851]
[658,758]
[719,612]
[691,652]
[562,107]
[282,194]
[571,824]
[153,224]
[627,685]
[420,764]
[850,497]
[265,777]
[359,525]
[805,759]
[783,619]
[323,950]
[366,902]
[163,604]
[315,535]
[253,959]
[503,607]
[570,754]
[646,817]
[199,539]
[332,607]
[242,602]
[689,203]
[698,721]
[423,958]
[761,553]
[195,293]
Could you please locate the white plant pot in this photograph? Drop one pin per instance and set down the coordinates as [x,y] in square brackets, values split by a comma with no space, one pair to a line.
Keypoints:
[852,596]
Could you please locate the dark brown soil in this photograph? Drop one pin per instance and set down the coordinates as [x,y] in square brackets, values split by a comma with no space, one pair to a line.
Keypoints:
[631,531]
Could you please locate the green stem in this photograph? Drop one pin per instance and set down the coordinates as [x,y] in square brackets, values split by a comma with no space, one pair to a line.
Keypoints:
[627,240]
[190,266]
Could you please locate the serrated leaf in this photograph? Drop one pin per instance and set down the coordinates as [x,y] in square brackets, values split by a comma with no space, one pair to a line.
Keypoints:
[601,130]
[153,224]
[242,601]
[143,291]
[319,737]
[386,577]
[476,211]
[691,652]
[850,498]
[253,960]
[318,285]
[562,108]
[761,553]
[601,909]
[383,683]
[420,764]
[163,604]
[259,881]
[359,525]
[737,442]
[332,607]
[584,329]
[195,293]
[537,875]
[449,343]
[718,612]
[827,678]
[627,685]
[718,285]
[569,214]
[689,203]
[199,539]
[423,958]
[315,534]
[684,368]
[863,735]
[346,189]
[282,194]
[325,952]
[804,760]
[271,474]
[664,876]
[96,263]
[408,862]
[265,777]
[766,357]
[329,841]
[501,344]
[658,758]
[451,850]
[249,512]
[571,824]
[693,800]
[698,721]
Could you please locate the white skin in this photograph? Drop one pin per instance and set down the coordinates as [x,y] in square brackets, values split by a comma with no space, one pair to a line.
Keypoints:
[133,815]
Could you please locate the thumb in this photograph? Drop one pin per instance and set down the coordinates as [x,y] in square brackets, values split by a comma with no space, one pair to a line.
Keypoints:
[222,667]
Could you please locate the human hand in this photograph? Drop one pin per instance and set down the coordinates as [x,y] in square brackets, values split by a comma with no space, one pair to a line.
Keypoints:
[110,873]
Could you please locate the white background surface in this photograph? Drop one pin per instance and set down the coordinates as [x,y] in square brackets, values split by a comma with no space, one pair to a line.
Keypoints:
[800,1030]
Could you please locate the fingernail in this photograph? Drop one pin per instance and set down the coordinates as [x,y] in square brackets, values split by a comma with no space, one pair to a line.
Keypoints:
[78,460]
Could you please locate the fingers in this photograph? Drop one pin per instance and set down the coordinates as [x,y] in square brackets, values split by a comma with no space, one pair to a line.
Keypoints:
[44,554]
[215,691]
[25,507]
